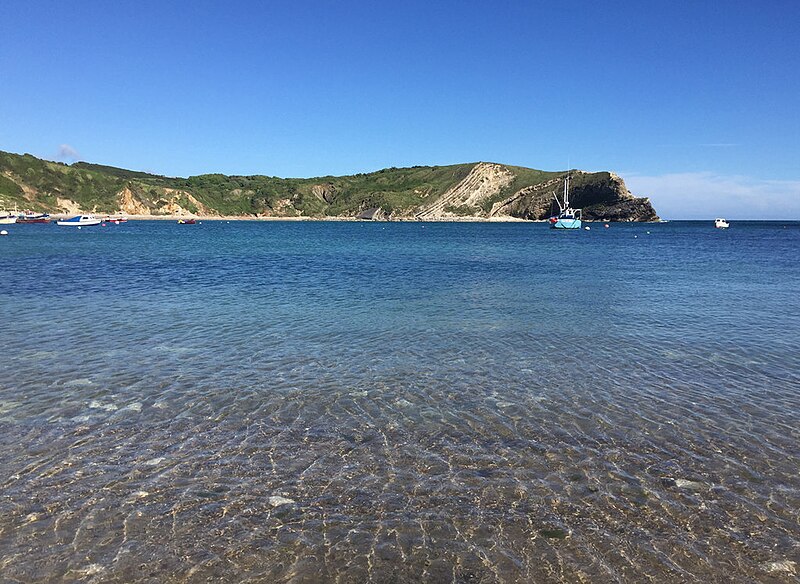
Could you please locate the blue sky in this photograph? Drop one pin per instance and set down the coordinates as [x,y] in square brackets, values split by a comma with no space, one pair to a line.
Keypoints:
[694,103]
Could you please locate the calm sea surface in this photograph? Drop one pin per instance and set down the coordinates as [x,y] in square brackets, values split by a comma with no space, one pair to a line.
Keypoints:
[400,402]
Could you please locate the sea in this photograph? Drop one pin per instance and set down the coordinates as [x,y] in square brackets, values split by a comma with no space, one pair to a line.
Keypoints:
[397,402]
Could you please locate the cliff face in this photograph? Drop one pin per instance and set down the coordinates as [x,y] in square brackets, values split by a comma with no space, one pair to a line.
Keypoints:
[483,182]
[603,196]
[482,190]
[606,198]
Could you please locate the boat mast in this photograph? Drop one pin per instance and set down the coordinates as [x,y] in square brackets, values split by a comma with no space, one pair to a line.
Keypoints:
[566,189]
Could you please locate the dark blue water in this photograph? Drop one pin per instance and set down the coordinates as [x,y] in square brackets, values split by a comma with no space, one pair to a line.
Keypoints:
[399,402]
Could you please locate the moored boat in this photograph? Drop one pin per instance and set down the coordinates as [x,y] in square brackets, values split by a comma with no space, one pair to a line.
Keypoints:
[116,219]
[79,221]
[7,218]
[186,221]
[567,218]
[720,223]
[31,217]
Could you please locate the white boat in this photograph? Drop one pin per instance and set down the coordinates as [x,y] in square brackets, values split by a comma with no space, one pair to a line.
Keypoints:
[567,218]
[7,218]
[79,221]
[721,223]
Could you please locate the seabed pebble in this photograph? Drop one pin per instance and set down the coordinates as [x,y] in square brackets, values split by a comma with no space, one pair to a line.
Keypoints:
[98,405]
[687,484]
[787,566]
[78,382]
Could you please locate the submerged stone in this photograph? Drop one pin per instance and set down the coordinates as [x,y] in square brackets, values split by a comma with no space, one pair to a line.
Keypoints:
[554,533]
[787,566]
[687,484]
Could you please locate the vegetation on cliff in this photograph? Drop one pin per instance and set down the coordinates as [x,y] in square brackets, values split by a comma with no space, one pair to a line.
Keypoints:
[473,190]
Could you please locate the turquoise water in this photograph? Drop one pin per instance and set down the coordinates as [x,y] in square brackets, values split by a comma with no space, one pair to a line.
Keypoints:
[400,402]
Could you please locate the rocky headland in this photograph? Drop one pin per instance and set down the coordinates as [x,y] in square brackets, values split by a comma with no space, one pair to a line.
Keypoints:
[476,191]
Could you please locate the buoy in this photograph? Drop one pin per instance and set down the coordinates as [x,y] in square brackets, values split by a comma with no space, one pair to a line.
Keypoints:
[3,232]
[606,225]
[79,226]
[587,228]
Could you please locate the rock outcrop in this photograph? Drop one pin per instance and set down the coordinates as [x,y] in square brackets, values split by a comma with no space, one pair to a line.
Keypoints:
[602,196]
[326,192]
[485,181]
[531,202]
[373,214]
[130,204]
[161,201]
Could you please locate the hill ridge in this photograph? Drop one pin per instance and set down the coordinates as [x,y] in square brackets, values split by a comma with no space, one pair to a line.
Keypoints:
[471,190]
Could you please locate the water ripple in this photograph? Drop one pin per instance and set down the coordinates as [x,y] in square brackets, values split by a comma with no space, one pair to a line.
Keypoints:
[399,402]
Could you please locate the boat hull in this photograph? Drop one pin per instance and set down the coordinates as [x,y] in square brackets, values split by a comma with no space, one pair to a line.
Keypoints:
[80,221]
[7,220]
[566,224]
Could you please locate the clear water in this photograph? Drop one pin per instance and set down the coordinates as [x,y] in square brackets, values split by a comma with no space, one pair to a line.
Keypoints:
[400,402]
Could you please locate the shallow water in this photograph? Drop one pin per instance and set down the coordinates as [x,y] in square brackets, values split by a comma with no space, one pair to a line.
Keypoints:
[400,402]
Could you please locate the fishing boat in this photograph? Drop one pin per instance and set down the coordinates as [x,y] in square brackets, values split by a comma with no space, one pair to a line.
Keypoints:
[79,221]
[31,217]
[186,221]
[721,223]
[567,218]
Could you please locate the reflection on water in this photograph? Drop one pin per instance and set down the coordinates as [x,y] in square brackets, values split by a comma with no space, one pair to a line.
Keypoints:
[400,403]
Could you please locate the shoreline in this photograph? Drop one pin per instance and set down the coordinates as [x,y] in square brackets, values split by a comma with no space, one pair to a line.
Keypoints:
[56,216]
[332,218]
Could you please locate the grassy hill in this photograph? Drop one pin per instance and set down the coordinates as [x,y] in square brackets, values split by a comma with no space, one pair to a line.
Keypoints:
[474,190]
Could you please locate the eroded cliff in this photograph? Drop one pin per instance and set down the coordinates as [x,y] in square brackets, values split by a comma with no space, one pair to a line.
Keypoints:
[479,190]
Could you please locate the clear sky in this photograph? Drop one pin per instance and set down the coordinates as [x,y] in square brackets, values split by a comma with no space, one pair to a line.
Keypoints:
[695,103]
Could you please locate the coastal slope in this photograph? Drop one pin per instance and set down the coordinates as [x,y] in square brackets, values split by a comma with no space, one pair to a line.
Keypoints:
[480,190]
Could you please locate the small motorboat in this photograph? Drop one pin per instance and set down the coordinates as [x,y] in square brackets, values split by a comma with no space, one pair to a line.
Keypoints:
[31,217]
[116,220]
[7,218]
[79,221]
[721,223]
[186,221]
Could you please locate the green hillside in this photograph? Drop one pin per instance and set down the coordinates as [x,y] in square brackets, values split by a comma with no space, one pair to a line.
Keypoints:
[475,189]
